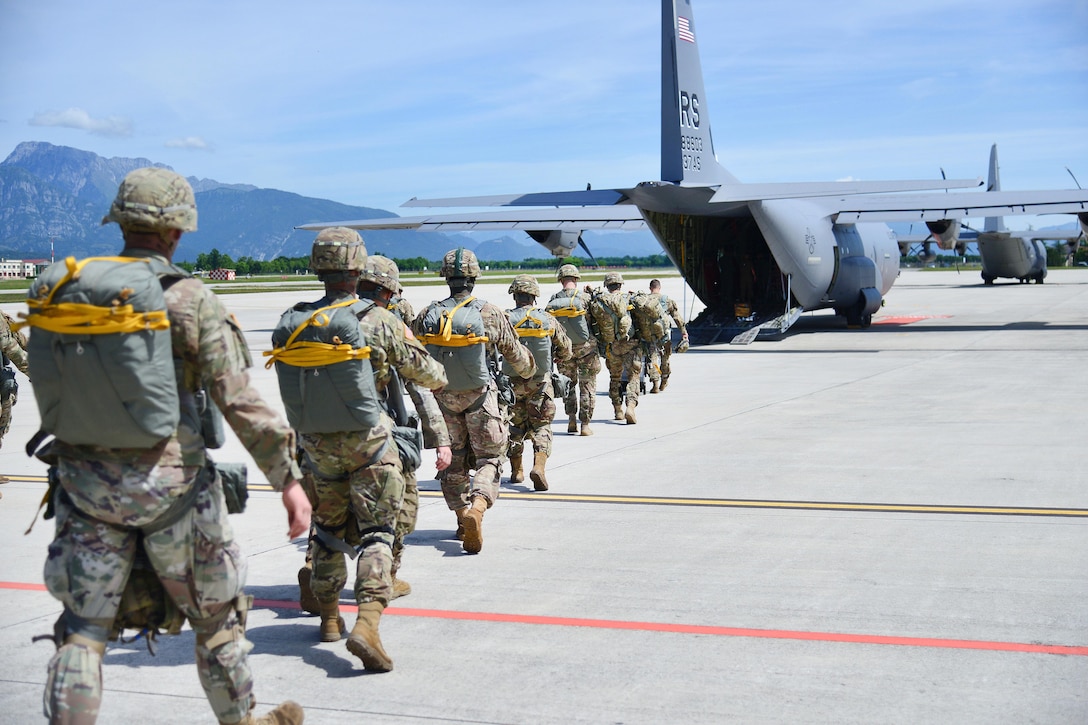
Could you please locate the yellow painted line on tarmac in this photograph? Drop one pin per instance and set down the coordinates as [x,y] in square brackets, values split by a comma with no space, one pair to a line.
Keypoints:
[746,503]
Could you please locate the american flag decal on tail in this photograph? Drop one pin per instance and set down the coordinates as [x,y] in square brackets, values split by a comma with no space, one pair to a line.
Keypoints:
[683,29]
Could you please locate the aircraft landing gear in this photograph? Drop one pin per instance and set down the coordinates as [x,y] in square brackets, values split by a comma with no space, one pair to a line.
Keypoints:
[987,279]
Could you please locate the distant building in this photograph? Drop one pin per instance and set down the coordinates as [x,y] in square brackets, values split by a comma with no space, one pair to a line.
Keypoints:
[222,275]
[21,268]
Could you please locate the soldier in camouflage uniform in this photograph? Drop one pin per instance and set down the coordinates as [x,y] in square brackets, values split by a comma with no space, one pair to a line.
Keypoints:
[13,348]
[112,502]
[473,416]
[534,406]
[585,361]
[380,282]
[623,358]
[354,478]
[660,362]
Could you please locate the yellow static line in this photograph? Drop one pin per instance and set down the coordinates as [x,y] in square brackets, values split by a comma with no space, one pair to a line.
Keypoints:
[743,503]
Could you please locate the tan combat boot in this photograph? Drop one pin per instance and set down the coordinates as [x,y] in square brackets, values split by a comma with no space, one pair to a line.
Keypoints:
[586,430]
[460,513]
[364,643]
[664,382]
[307,602]
[286,713]
[631,420]
[333,625]
[656,387]
[617,411]
[572,425]
[401,588]
[517,474]
[474,525]
[540,483]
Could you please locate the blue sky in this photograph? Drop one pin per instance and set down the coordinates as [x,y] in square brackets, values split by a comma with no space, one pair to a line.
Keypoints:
[371,103]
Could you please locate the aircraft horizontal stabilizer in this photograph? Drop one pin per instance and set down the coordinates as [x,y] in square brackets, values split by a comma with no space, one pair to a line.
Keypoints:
[808,189]
[624,216]
[934,207]
[587,197]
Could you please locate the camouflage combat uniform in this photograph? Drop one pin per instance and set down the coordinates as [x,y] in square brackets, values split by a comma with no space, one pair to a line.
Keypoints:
[534,399]
[13,347]
[355,479]
[110,502]
[660,364]
[582,367]
[474,419]
[435,435]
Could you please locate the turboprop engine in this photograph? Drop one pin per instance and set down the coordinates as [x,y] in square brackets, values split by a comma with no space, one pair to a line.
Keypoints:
[946,232]
[559,243]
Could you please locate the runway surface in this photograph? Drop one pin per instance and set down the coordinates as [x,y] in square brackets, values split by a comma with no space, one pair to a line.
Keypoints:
[883,525]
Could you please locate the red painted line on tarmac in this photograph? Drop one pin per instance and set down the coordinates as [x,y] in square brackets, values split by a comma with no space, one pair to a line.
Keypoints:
[1052,649]
[970,644]
[907,319]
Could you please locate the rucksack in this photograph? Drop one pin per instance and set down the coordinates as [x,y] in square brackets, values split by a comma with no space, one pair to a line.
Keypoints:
[533,332]
[612,313]
[453,333]
[100,356]
[650,322]
[323,365]
[571,311]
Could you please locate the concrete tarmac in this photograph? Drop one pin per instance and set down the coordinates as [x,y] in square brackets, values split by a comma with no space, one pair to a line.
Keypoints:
[854,526]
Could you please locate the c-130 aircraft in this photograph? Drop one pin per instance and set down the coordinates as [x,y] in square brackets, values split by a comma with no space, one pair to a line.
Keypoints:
[768,250]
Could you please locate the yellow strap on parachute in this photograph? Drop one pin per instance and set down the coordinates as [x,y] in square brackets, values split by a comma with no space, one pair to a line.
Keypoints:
[446,337]
[315,354]
[531,331]
[74,318]
[570,311]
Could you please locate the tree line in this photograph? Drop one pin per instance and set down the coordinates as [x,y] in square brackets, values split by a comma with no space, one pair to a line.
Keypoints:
[207,261]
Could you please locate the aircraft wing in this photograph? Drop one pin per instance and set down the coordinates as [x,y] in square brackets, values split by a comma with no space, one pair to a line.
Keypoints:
[938,206]
[588,197]
[807,189]
[623,216]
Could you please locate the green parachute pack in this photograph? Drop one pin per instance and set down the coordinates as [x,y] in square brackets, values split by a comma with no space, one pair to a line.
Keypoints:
[454,335]
[100,355]
[533,332]
[323,366]
[569,307]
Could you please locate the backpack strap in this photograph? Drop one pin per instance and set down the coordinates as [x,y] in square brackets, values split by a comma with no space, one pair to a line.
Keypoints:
[72,318]
[445,336]
[316,354]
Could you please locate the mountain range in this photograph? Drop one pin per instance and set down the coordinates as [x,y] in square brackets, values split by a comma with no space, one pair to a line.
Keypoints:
[53,198]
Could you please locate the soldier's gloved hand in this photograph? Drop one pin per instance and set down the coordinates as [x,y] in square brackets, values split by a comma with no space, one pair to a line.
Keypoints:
[298,509]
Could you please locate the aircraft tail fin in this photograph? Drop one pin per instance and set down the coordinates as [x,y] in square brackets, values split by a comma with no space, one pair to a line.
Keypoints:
[993,183]
[687,145]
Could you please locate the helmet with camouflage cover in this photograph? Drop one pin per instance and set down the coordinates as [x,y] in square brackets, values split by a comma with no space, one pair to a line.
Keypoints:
[460,262]
[567,270]
[524,284]
[337,249]
[153,200]
[612,278]
[383,272]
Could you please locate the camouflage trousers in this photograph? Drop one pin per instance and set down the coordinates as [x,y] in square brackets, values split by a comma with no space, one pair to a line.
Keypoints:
[196,558]
[624,360]
[660,367]
[6,404]
[356,496]
[582,368]
[531,417]
[406,519]
[476,424]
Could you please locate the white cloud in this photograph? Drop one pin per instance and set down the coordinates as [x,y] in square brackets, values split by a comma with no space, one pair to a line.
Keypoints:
[189,142]
[77,118]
